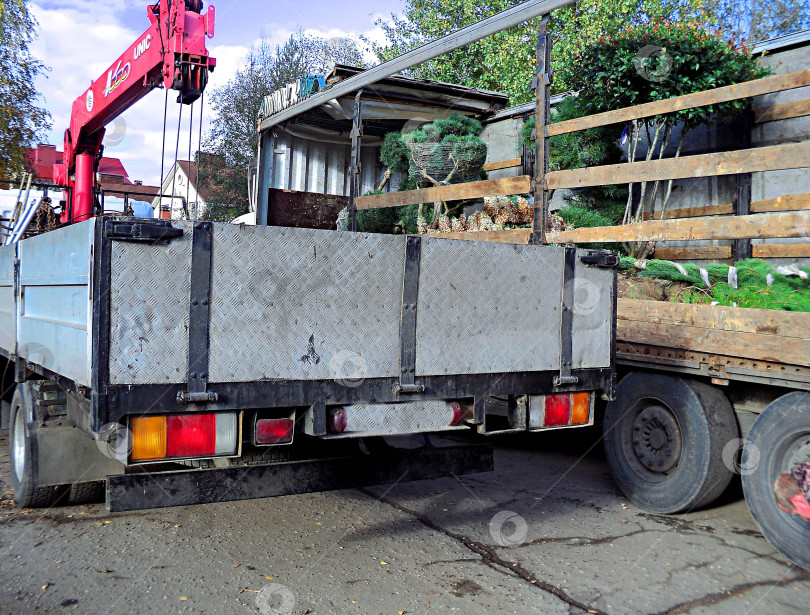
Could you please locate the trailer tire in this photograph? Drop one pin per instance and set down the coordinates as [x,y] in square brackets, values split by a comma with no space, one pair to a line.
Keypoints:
[22,445]
[778,441]
[664,439]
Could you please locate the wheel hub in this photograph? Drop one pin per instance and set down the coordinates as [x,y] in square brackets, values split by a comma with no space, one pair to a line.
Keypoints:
[19,446]
[657,439]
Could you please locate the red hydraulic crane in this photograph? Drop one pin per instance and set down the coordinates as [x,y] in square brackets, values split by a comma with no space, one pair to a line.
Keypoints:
[172,54]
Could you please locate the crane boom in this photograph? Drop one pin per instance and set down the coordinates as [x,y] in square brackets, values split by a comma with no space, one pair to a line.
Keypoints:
[171,54]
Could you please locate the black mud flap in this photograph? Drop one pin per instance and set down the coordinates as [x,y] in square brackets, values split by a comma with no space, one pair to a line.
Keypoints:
[181,488]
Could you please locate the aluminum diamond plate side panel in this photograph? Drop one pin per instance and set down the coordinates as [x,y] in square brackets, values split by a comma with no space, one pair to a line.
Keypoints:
[593,311]
[488,308]
[149,311]
[304,304]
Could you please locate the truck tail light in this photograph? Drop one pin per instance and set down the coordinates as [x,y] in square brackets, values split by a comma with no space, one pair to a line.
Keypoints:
[564,409]
[274,431]
[336,420]
[184,435]
[456,412]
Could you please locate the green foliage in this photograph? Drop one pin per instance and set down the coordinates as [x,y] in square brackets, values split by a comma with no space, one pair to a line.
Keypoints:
[615,71]
[394,153]
[22,122]
[578,216]
[789,293]
[447,150]
[588,148]
[222,186]
[505,61]
[408,214]
[376,220]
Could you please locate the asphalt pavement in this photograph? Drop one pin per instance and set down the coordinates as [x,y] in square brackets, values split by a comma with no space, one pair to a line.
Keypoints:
[546,532]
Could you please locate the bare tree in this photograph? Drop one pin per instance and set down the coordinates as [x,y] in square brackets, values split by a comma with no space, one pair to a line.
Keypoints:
[267,68]
[759,20]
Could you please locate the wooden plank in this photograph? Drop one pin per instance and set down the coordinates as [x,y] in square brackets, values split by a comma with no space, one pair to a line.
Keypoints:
[778,83]
[453,192]
[747,345]
[695,212]
[777,157]
[503,164]
[515,235]
[755,226]
[783,111]
[704,253]
[794,250]
[790,202]
[794,325]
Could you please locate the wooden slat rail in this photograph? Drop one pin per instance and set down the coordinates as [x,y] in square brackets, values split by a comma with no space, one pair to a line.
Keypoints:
[701,253]
[470,190]
[791,202]
[755,226]
[767,335]
[774,158]
[782,111]
[768,85]
[503,164]
[783,250]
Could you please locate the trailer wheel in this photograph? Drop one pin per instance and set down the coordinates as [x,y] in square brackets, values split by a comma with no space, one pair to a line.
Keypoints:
[23,452]
[778,441]
[664,441]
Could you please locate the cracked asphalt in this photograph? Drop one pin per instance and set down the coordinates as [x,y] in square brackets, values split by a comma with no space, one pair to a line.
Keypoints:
[546,532]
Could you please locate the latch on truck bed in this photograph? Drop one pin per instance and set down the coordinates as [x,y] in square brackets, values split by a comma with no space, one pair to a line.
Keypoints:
[151,232]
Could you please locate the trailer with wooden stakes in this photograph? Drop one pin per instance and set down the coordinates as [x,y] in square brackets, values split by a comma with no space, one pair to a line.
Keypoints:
[704,391]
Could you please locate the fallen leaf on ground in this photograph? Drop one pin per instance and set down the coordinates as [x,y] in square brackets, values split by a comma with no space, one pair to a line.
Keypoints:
[269,578]
[382,563]
[318,523]
[46,586]
[184,598]
[236,565]
[252,591]
[354,601]
[625,506]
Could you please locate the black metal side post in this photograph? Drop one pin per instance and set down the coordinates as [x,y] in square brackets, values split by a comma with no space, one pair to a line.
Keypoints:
[355,167]
[742,198]
[542,84]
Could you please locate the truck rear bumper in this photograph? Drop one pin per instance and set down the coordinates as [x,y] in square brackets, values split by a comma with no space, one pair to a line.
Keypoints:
[184,487]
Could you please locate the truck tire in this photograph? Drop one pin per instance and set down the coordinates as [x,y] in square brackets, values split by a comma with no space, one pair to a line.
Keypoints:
[778,441]
[22,447]
[88,492]
[664,440]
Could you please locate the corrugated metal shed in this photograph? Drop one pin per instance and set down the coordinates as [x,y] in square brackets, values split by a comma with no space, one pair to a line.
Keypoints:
[310,153]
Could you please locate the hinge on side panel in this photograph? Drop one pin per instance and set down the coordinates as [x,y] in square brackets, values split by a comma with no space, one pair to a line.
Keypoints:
[151,232]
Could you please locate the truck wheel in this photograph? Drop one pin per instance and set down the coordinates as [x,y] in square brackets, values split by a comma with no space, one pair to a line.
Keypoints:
[778,441]
[87,493]
[664,441]
[23,451]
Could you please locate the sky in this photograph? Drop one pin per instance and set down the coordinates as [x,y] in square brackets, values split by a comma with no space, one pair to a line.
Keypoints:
[79,39]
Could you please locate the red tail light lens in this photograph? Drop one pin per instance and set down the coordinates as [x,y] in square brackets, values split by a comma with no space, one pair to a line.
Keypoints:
[190,435]
[457,413]
[274,431]
[557,410]
[336,421]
